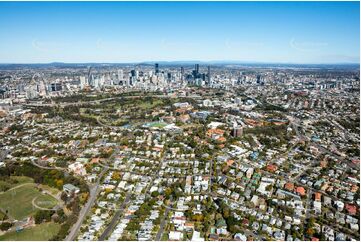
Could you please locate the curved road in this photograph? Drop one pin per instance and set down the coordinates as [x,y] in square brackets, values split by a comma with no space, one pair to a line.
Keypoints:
[47,167]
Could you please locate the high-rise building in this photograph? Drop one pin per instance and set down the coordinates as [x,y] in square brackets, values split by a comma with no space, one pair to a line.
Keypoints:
[90,77]
[182,73]
[55,87]
[82,82]
[196,71]
[258,79]
[120,75]
[156,68]
[209,75]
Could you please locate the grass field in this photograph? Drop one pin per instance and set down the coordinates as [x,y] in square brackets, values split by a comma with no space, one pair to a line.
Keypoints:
[156,124]
[22,179]
[13,182]
[44,231]
[148,105]
[52,190]
[2,215]
[18,201]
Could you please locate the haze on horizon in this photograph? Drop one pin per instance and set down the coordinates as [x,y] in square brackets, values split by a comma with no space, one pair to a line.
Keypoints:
[273,32]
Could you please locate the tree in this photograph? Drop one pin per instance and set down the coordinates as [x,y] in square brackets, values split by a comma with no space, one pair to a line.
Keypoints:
[226,212]
[197,217]
[43,215]
[83,197]
[155,194]
[116,175]
[5,226]
[269,187]
[310,232]
[59,184]
[168,192]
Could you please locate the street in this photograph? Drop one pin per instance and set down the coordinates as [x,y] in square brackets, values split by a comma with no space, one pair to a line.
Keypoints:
[94,190]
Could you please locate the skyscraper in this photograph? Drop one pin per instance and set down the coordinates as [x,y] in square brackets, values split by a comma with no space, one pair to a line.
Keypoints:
[156,68]
[120,75]
[90,77]
[196,71]
[258,79]
[196,68]
[209,75]
[82,82]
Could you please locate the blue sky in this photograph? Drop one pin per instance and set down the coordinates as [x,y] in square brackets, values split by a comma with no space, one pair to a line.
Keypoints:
[283,32]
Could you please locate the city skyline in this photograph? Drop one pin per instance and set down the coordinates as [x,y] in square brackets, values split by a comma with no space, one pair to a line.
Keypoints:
[131,32]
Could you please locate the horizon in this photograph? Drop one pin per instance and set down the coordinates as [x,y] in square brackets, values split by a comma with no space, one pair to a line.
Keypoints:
[236,62]
[136,32]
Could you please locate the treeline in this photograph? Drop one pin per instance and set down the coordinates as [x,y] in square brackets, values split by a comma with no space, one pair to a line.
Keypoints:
[42,176]
[271,107]
[79,97]
[270,130]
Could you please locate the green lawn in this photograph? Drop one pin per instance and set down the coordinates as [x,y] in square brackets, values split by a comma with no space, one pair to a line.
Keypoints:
[22,179]
[43,232]
[46,201]
[158,125]
[2,215]
[13,182]
[18,201]
[52,190]
[148,105]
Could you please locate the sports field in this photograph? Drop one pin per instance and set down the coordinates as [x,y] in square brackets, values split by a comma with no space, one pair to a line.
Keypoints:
[42,232]
[18,201]
[155,125]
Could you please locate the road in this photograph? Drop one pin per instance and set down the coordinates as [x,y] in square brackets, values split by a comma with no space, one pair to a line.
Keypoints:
[120,211]
[115,219]
[93,190]
[162,224]
[47,167]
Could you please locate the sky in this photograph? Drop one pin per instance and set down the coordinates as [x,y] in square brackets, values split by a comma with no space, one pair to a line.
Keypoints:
[118,32]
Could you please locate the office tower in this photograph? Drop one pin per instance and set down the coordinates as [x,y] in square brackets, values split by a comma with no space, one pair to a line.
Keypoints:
[196,71]
[90,76]
[20,88]
[196,68]
[55,87]
[82,82]
[96,82]
[209,75]
[120,75]
[133,73]
[258,79]
[156,68]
